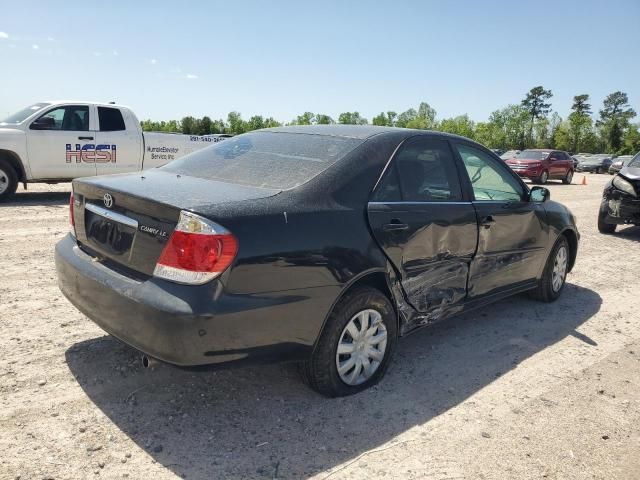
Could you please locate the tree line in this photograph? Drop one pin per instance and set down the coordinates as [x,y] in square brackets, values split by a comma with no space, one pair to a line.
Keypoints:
[530,124]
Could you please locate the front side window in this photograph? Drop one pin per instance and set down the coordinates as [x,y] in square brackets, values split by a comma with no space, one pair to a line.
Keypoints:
[427,171]
[489,181]
[72,118]
[110,119]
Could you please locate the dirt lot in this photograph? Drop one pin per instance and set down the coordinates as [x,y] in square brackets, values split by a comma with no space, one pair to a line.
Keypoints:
[517,390]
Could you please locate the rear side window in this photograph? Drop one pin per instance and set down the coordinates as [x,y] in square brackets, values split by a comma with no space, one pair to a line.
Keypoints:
[110,119]
[427,171]
[265,159]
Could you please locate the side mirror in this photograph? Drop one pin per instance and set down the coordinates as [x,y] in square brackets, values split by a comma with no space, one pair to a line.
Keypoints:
[539,194]
[43,123]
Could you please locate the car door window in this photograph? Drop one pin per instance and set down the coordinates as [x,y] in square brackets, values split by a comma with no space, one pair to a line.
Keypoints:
[71,118]
[427,171]
[489,180]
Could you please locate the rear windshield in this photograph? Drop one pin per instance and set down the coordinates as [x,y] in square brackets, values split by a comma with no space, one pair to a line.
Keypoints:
[265,159]
[532,155]
[23,114]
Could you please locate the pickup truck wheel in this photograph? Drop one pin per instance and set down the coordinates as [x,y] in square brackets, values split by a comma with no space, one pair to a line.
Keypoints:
[568,177]
[355,346]
[8,180]
[555,273]
[603,226]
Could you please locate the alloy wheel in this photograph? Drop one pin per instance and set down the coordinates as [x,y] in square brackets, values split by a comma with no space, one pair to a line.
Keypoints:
[544,177]
[361,347]
[559,269]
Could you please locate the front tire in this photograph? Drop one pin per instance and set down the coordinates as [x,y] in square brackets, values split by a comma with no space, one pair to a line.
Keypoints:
[355,345]
[543,178]
[603,226]
[8,180]
[555,273]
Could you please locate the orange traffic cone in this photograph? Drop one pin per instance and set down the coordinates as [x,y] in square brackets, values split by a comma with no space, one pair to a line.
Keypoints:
[584,180]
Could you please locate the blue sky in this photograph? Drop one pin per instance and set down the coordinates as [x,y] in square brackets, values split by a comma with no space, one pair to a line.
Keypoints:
[171,59]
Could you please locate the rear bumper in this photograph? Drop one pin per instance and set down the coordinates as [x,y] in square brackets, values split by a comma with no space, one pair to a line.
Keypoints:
[192,325]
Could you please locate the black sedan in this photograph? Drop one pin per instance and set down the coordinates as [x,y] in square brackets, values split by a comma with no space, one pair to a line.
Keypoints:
[594,164]
[621,198]
[314,244]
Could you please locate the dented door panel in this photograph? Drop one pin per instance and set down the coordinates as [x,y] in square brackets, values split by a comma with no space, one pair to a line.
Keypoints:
[432,254]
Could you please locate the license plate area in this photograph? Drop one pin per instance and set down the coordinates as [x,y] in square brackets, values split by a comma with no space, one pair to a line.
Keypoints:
[109,232]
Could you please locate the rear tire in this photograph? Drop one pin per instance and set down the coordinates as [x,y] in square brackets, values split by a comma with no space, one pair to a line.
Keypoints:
[321,371]
[8,180]
[555,273]
[603,226]
[568,178]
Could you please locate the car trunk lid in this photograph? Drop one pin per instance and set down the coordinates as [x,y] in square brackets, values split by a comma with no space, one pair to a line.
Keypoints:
[126,220]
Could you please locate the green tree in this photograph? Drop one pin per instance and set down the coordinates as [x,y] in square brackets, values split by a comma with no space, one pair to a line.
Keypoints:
[381,120]
[536,105]
[204,126]
[351,118]
[580,122]
[188,125]
[255,123]
[405,117]
[307,118]
[631,141]
[323,119]
[235,123]
[460,125]
[580,104]
[614,119]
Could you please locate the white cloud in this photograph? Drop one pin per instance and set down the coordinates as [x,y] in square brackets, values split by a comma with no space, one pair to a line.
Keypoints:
[190,76]
[4,35]
[35,46]
[153,61]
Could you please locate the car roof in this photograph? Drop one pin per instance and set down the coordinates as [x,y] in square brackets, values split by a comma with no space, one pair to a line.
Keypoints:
[356,131]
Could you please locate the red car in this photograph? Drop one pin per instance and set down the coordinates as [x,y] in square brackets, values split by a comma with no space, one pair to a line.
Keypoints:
[540,165]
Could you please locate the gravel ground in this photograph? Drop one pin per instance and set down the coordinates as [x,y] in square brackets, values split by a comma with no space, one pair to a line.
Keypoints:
[517,390]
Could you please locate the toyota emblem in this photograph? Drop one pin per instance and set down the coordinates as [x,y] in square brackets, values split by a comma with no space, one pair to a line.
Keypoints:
[108,200]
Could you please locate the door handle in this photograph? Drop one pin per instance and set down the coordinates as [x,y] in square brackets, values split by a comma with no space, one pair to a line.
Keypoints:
[85,138]
[394,225]
[487,221]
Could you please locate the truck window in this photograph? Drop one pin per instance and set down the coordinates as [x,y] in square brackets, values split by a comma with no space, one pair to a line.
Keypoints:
[71,118]
[110,119]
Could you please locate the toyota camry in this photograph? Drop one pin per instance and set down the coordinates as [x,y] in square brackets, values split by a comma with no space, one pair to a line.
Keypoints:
[317,244]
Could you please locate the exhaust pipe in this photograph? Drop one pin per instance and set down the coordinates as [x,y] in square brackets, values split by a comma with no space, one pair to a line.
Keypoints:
[148,362]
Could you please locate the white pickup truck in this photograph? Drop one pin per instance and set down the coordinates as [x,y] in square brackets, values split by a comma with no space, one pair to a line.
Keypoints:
[58,141]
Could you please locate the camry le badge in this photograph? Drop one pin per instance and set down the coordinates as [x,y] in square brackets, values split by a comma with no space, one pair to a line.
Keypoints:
[108,200]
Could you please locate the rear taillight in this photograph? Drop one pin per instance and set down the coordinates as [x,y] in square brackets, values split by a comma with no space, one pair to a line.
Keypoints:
[197,252]
[72,220]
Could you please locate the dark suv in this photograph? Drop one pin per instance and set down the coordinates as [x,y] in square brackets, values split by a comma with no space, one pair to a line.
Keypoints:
[540,165]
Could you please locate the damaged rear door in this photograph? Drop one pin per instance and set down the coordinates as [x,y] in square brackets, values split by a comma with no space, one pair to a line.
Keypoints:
[427,228]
